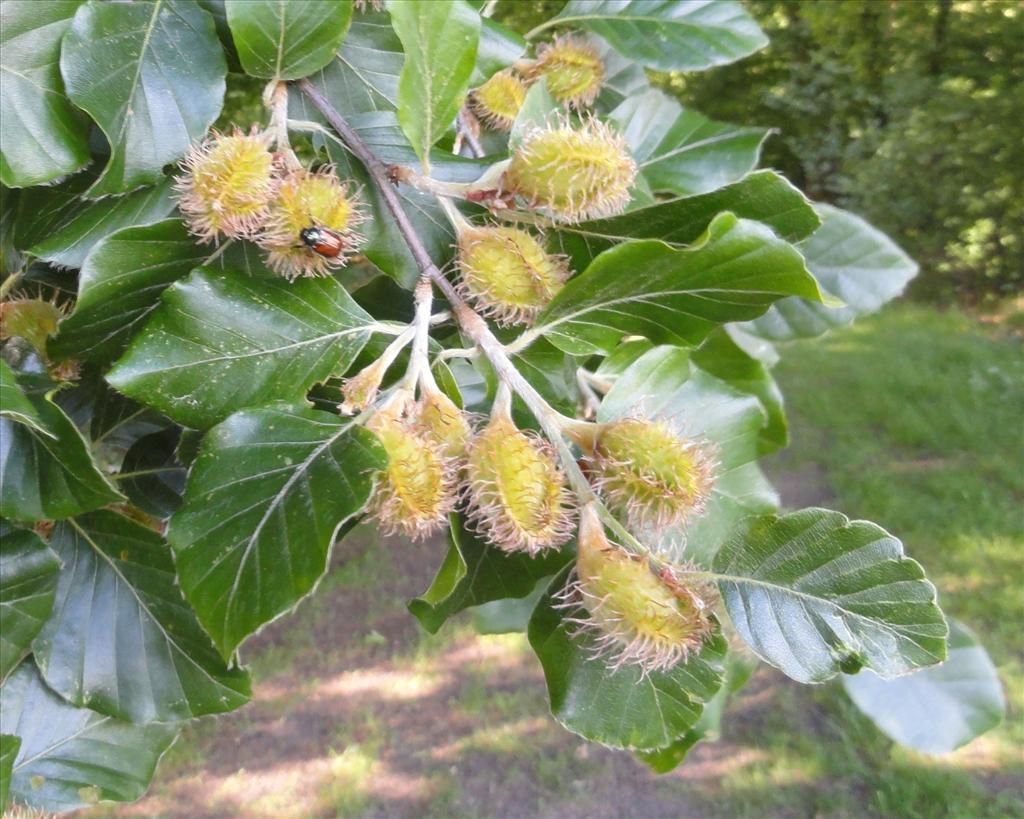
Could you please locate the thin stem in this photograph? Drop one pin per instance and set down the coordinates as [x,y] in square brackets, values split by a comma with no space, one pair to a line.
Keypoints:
[602,385]
[275,97]
[427,184]
[469,128]
[9,283]
[418,361]
[120,476]
[591,402]
[554,21]
[458,221]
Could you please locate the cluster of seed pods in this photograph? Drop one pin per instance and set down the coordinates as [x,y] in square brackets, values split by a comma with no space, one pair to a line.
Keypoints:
[235,187]
[508,481]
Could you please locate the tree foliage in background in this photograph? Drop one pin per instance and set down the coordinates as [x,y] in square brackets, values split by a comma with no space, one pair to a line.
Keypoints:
[187,428]
[907,113]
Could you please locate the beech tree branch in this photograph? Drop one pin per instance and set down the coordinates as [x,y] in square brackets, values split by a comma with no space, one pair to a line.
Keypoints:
[470,323]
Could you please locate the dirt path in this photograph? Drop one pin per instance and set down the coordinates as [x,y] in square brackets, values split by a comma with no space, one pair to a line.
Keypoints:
[357,712]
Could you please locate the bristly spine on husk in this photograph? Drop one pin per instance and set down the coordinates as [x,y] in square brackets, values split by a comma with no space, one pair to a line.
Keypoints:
[572,172]
[497,101]
[507,273]
[646,470]
[307,199]
[573,70]
[638,613]
[419,486]
[227,184]
[516,494]
[443,422]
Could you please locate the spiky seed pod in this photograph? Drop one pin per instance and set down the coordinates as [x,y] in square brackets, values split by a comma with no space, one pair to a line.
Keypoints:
[507,273]
[574,173]
[310,200]
[497,101]
[517,497]
[573,70]
[418,488]
[34,320]
[444,423]
[640,614]
[227,184]
[652,474]
[359,391]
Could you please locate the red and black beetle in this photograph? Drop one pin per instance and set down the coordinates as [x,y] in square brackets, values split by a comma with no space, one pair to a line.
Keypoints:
[324,241]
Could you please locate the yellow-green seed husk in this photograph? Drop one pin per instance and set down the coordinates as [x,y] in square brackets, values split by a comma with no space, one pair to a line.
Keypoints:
[34,320]
[497,101]
[227,186]
[517,494]
[645,469]
[573,70]
[574,173]
[641,614]
[507,273]
[444,423]
[306,199]
[417,489]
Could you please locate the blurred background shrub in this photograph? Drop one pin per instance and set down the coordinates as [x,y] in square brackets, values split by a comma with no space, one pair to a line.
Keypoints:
[907,112]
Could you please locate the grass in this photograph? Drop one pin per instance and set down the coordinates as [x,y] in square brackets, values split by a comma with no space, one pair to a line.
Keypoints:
[915,420]
[912,419]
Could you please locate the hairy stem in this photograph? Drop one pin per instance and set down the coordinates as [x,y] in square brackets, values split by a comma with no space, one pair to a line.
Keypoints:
[418,362]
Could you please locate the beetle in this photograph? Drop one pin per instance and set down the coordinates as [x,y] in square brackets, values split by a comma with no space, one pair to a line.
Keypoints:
[323,241]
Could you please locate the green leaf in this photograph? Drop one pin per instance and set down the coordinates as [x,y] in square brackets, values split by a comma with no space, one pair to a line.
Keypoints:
[287,39]
[475,572]
[624,708]
[509,615]
[55,225]
[538,110]
[851,260]
[28,578]
[763,196]
[14,404]
[113,422]
[120,284]
[44,136]
[814,594]
[668,35]
[117,598]
[46,477]
[724,359]
[73,757]
[364,77]
[623,78]
[681,151]
[440,39]
[10,257]
[663,383]
[151,475]
[263,502]
[151,75]
[221,341]
[9,746]
[498,48]
[647,288]
[938,709]
[738,669]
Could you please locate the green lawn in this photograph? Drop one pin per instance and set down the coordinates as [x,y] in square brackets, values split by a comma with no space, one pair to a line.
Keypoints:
[913,419]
